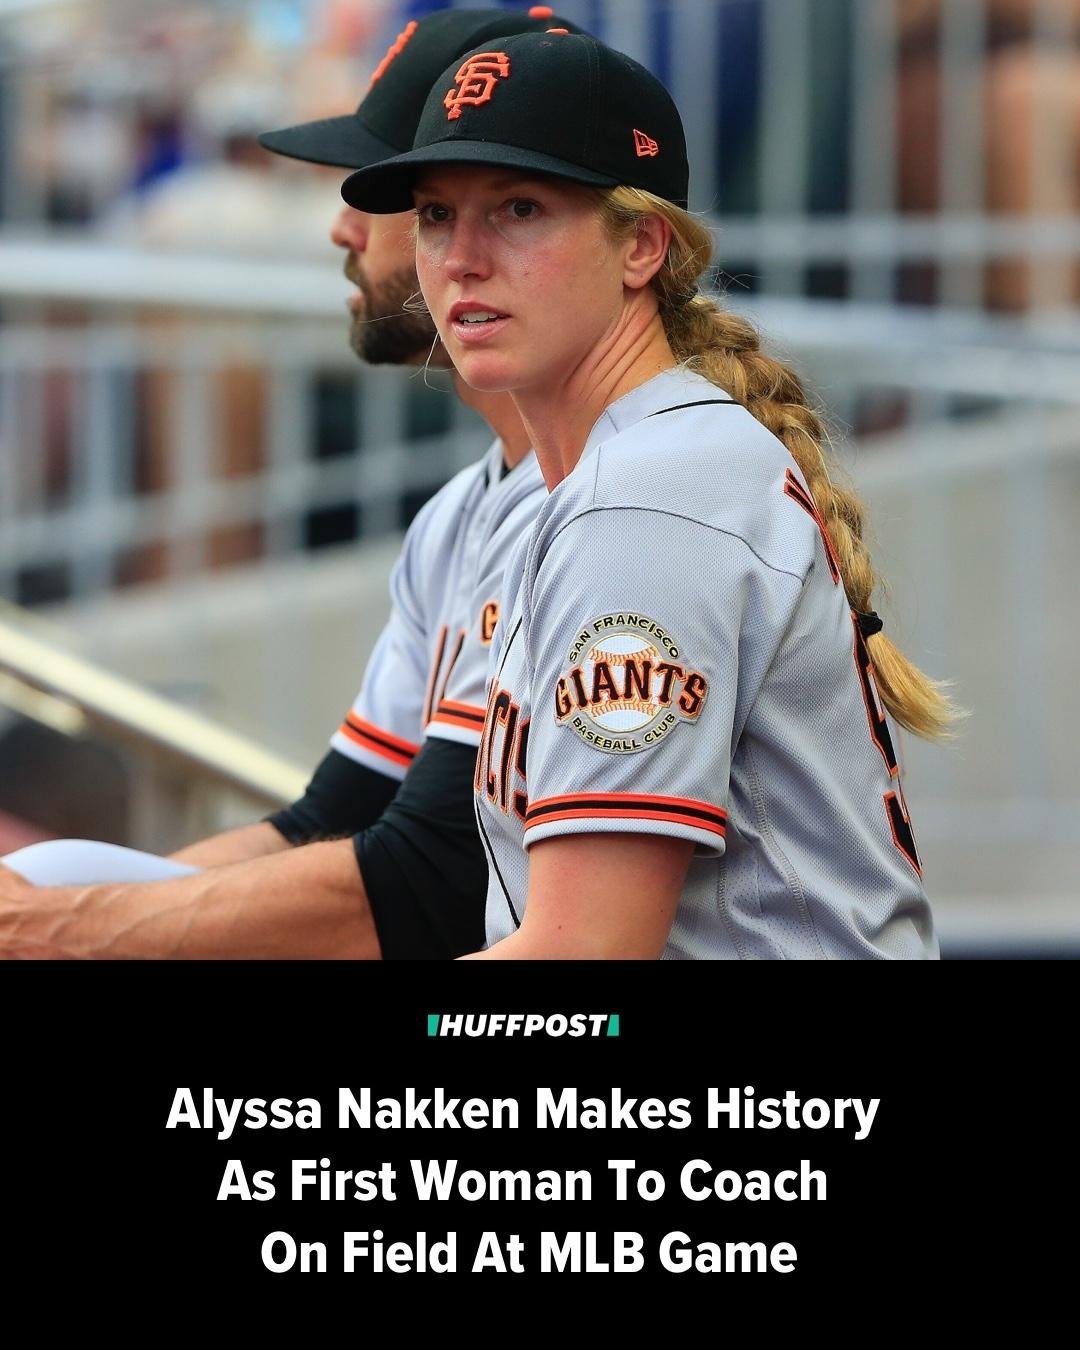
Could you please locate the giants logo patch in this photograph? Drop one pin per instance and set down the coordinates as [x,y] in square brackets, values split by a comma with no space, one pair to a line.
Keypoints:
[628,685]
[476,82]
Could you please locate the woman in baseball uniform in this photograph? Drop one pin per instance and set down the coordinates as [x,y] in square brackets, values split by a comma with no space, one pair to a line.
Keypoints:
[688,748]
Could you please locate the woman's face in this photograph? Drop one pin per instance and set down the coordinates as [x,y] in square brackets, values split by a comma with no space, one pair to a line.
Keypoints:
[522,281]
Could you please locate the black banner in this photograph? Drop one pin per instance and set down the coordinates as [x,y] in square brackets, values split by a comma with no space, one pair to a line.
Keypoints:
[414,1139]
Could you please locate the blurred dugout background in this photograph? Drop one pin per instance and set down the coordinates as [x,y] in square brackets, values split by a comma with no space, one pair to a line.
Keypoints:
[202,491]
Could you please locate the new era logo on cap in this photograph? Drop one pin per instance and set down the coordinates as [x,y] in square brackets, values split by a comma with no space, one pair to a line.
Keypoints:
[475,81]
[644,145]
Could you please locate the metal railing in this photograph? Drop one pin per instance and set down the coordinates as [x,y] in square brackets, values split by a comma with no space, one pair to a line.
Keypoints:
[116,435]
[133,431]
[104,701]
[189,774]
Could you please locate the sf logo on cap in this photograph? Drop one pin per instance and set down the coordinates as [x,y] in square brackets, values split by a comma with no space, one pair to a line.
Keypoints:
[476,81]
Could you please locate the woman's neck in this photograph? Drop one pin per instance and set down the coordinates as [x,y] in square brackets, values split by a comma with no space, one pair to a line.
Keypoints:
[558,419]
[502,417]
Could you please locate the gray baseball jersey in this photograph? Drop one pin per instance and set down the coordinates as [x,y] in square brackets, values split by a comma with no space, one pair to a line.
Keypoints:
[677,657]
[442,617]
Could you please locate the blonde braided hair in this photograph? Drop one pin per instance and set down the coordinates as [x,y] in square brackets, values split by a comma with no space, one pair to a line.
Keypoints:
[726,350]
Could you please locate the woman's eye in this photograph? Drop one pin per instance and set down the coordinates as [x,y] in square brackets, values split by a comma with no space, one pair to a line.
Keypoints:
[433,213]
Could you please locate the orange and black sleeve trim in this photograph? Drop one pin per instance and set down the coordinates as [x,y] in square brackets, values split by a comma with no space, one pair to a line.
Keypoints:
[465,715]
[373,738]
[628,806]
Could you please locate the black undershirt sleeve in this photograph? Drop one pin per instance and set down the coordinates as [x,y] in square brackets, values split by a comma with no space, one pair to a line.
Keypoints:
[423,863]
[416,842]
[342,798]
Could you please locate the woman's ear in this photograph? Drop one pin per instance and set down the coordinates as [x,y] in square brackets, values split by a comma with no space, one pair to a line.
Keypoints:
[646,251]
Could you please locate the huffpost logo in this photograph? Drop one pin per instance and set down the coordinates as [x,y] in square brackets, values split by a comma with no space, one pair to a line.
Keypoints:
[573,1025]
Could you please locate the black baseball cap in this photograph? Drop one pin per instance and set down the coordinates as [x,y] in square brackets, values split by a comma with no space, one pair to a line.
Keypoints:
[555,103]
[385,122]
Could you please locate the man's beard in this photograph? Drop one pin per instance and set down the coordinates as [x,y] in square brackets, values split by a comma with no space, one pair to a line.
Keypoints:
[384,332]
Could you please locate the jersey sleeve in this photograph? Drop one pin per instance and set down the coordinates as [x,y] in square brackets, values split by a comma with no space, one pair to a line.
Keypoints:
[384,727]
[647,636]
[458,714]
[457,709]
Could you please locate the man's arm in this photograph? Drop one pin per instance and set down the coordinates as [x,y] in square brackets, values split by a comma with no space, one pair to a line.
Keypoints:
[422,862]
[309,903]
[357,778]
[343,797]
[231,846]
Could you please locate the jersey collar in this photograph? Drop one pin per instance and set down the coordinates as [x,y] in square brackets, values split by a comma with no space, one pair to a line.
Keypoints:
[495,469]
[666,390]
[494,465]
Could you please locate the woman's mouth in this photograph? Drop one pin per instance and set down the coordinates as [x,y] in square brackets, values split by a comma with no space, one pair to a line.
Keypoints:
[474,323]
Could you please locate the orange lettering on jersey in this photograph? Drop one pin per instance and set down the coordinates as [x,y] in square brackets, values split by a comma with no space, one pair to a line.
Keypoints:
[692,697]
[895,806]
[603,686]
[795,490]
[637,679]
[498,713]
[478,773]
[668,675]
[636,683]
[582,699]
[521,799]
[434,702]
[489,617]
[494,764]
[644,145]
[396,48]
[476,81]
